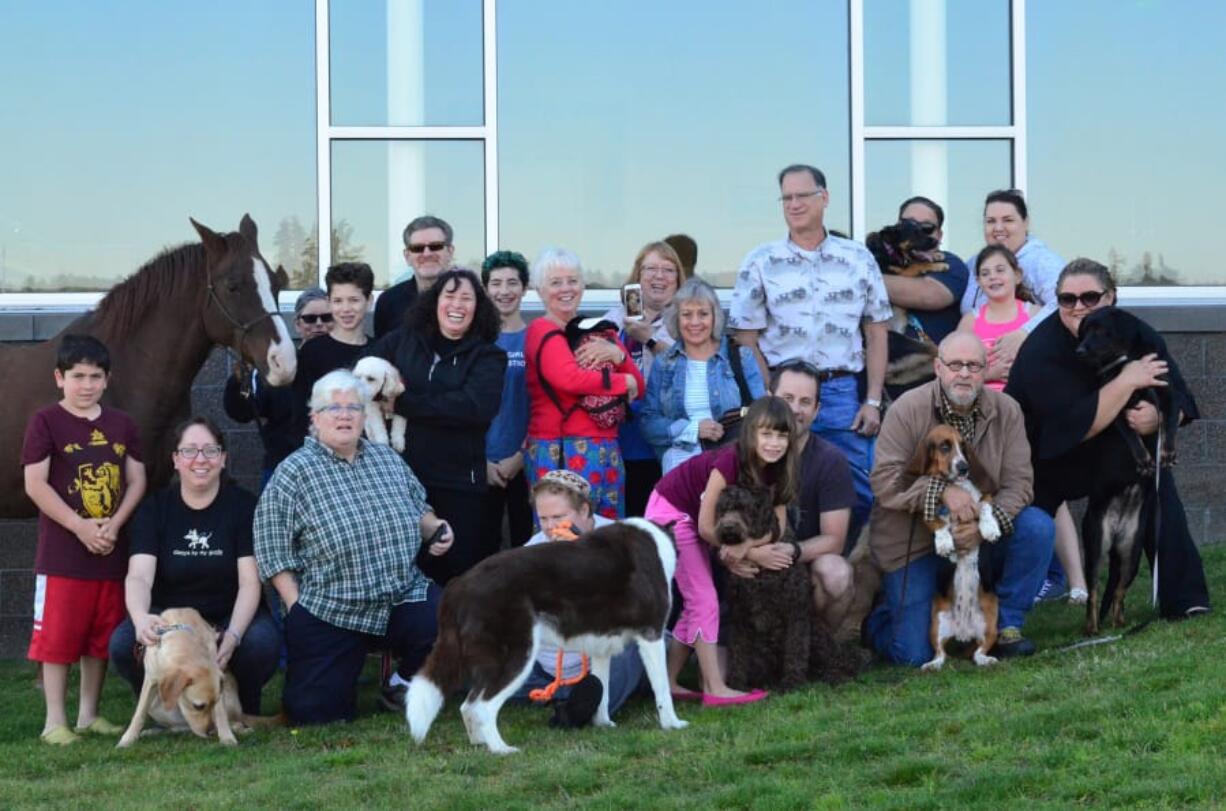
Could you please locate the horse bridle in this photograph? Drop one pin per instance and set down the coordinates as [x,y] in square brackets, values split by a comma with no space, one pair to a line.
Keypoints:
[242,327]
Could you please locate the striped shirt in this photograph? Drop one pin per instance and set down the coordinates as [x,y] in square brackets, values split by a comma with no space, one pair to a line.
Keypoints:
[349,531]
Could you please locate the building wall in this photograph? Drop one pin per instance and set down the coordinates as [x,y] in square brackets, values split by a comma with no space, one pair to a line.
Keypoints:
[1201,470]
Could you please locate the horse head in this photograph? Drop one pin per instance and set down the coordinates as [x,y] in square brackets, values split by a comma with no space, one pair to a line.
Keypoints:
[241,311]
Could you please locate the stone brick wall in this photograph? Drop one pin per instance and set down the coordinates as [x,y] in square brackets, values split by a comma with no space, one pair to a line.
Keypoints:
[1201,471]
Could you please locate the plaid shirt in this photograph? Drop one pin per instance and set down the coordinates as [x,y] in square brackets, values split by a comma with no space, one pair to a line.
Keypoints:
[965,425]
[349,531]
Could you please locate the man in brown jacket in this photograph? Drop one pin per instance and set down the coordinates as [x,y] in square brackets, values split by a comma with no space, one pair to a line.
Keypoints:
[900,542]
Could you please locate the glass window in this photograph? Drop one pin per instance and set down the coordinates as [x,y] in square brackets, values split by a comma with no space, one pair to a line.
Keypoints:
[937,63]
[121,120]
[406,62]
[1126,157]
[956,175]
[621,123]
[379,186]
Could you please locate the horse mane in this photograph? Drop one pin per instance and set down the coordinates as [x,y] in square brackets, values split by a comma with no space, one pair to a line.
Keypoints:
[167,274]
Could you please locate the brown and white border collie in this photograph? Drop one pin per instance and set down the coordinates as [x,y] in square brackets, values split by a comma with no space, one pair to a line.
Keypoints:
[965,611]
[595,595]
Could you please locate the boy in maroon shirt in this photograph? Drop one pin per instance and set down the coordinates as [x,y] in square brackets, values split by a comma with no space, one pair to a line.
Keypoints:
[83,471]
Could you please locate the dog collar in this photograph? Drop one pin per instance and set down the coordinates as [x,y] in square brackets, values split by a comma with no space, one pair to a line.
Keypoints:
[178,626]
[1120,361]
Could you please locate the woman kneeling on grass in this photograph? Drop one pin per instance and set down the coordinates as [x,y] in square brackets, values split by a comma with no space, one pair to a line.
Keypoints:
[764,455]
[338,532]
[562,501]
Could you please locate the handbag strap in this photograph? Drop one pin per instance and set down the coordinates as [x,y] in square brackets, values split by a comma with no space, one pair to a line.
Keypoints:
[738,372]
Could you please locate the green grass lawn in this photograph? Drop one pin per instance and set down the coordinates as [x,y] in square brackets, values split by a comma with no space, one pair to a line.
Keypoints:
[1137,722]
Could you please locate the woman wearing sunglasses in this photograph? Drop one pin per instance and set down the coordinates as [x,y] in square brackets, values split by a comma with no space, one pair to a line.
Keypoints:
[191,548]
[1068,407]
[248,396]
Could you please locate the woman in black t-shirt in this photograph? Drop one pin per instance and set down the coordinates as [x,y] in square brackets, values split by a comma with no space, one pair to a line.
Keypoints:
[191,548]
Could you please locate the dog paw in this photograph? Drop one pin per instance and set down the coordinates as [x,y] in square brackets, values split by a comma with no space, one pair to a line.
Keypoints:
[933,666]
[983,660]
[1169,459]
[398,444]
[675,723]
[125,741]
[608,723]
[504,750]
[944,543]
[989,528]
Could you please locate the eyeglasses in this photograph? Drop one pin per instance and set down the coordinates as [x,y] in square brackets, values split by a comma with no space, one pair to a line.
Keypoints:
[1090,298]
[433,247]
[972,366]
[657,270]
[804,195]
[336,409]
[311,318]
[210,452]
[926,228]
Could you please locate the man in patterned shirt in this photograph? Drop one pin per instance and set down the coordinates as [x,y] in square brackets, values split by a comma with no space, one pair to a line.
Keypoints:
[992,425]
[818,297]
[337,532]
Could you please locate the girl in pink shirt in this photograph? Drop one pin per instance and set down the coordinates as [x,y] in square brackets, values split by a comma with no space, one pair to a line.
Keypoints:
[1009,305]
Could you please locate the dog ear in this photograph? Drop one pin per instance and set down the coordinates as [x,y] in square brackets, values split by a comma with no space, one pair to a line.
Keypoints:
[392,385]
[918,465]
[169,691]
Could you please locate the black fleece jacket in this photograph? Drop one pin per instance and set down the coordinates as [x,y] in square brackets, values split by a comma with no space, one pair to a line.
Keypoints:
[453,390]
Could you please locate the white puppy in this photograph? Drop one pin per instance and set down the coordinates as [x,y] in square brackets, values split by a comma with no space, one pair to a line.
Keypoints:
[384,385]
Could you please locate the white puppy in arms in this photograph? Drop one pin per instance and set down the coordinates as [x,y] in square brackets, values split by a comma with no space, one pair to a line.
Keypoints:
[384,385]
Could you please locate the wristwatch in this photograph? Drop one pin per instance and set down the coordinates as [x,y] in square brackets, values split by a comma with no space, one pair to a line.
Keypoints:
[874,403]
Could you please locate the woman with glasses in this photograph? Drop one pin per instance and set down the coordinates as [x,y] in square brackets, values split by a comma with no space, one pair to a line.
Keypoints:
[248,396]
[453,378]
[338,532]
[191,548]
[1069,414]
[695,381]
[658,271]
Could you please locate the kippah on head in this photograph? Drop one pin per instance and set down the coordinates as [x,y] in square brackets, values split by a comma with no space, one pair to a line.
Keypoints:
[568,480]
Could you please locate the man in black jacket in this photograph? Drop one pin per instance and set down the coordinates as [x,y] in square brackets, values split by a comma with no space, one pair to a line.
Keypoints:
[429,249]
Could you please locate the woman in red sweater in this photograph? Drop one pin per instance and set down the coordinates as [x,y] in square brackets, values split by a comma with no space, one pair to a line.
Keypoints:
[561,434]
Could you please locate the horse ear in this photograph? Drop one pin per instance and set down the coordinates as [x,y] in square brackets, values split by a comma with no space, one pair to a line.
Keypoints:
[249,231]
[918,465]
[281,278]
[214,243]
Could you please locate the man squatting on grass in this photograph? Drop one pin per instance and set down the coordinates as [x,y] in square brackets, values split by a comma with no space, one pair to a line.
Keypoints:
[901,543]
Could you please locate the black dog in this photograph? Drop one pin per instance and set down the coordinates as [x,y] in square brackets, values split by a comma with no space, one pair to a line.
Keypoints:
[1123,491]
[907,248]
[768,617]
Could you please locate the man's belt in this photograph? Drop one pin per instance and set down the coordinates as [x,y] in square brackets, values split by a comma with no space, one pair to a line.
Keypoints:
[831,374]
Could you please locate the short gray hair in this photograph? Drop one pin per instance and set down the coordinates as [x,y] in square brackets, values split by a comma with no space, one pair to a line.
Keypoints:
[306,297]
[334,382]
[552,259]
[694,289]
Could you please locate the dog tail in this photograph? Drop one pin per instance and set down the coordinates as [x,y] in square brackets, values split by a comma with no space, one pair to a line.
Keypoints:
[441,674]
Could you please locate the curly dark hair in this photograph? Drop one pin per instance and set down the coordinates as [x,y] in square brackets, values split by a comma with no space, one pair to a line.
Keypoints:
[423,315]
[505,259]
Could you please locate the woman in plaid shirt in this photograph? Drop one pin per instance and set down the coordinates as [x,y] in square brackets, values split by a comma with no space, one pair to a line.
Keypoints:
[338,532]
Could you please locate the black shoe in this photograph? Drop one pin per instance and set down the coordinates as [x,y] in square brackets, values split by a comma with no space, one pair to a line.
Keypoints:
[1011,644]
[391,697]
[577,709]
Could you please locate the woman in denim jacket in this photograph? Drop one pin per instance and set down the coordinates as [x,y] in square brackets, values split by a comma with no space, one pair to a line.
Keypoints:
[692,383]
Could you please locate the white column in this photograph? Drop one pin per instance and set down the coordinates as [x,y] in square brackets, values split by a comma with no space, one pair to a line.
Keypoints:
[406,105]
[929,98]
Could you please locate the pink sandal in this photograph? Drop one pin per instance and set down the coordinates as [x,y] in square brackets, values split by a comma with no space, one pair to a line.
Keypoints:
[728,701]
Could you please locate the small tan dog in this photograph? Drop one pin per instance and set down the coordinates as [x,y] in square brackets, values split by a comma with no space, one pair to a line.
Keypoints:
[194,694]
[383,384]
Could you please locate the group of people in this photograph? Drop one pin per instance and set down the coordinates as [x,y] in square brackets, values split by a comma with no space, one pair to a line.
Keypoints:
[516,425]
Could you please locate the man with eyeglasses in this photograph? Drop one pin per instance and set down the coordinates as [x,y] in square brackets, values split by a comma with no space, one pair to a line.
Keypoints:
[992,426]
[934,298]
[820,297]
[429,249]
[248,396]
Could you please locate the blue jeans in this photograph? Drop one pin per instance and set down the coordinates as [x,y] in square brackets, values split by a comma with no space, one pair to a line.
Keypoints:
[839,403]
[900,631]
[625,673]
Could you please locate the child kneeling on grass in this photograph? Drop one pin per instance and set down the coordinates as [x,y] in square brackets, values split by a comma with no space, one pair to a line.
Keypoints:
[83,471]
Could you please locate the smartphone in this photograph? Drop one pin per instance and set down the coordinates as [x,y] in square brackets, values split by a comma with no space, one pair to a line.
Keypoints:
[632,300]
[437,535]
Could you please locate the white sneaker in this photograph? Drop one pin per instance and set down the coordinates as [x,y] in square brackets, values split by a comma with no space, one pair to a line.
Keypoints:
[1078,596]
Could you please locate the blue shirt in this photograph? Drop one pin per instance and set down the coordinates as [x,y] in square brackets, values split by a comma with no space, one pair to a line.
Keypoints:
[506,433]
[939,323]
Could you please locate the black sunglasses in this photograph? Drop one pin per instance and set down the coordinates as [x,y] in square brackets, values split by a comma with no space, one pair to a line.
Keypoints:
[311,318]
[434,247]
[1090,298]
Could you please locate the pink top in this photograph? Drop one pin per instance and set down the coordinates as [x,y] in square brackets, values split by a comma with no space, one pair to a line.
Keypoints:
[989,331]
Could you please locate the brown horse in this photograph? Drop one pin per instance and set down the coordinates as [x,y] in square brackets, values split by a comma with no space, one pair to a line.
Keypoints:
[160,325]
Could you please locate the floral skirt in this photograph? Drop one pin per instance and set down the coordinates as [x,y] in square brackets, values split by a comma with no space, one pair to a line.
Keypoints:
[597,460]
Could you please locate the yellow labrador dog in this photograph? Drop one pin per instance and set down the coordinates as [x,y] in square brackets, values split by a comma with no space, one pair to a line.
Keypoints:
[191,691]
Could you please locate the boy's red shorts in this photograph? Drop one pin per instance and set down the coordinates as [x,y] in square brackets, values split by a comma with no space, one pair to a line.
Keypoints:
[74,618]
